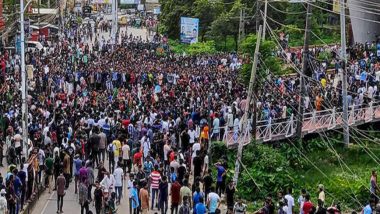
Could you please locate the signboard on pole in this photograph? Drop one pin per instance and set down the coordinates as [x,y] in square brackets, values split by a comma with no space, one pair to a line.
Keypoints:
[189,30]
[29,71]
[157,11]
[140,7]
[151,1]
[336,6]
[100,1]
[129,1]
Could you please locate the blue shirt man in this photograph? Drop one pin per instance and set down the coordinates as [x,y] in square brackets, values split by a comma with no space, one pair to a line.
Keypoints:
[134,197]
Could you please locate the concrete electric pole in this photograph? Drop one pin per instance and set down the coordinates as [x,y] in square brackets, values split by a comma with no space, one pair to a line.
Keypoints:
[246,110]
[265,18]
[304,69]
[346,128]
[23,79]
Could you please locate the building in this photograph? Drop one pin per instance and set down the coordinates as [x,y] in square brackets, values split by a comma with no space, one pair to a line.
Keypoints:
[365,19]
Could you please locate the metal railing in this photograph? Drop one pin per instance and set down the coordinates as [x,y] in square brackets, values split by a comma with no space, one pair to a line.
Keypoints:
[315,121]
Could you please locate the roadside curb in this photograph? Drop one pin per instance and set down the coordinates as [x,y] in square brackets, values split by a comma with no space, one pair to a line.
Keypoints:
[28,208]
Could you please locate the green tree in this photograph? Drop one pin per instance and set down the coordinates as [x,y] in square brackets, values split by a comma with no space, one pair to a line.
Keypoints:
[207,12]
[268,61]
[172,10]
[227,24]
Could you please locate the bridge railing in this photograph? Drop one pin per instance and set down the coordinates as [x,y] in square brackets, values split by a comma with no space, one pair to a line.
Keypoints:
[314,121]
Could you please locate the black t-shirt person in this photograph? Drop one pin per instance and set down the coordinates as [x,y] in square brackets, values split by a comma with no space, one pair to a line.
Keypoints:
[207,183]
[98,196]
[230,192]
[197,161]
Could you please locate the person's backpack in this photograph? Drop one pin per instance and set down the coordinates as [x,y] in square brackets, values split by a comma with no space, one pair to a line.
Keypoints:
[184,209]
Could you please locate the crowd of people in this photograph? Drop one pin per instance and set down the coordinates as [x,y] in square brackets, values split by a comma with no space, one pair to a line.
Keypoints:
[323,82]
[102,113]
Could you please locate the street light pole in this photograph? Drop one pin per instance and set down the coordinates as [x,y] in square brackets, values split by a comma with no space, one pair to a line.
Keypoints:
[23,79]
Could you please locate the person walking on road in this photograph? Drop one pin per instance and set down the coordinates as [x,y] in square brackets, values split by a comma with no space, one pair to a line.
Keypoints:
[155,178]
[98,197]
[163,195]
[185,207]
[119,177]
[61,183]
[213,201]
[144,197]
[83,196]
[135,202]
[175,193]
[3,202]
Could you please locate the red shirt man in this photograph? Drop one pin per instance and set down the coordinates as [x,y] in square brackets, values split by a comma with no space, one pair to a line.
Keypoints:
[307,205]
[137,158]
[175,192]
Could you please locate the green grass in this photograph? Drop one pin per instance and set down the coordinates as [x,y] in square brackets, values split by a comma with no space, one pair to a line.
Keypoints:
[345,181]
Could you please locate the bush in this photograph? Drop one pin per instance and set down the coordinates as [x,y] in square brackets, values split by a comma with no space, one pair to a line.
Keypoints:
[218,151]
[270,169]
[192,49]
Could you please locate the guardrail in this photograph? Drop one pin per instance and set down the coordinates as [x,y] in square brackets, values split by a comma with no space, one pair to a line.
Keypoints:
[312,122]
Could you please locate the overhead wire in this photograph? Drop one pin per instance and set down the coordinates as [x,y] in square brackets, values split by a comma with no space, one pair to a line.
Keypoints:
[285,12]
[339,158]
[292,63]
[341,161]
[271,32]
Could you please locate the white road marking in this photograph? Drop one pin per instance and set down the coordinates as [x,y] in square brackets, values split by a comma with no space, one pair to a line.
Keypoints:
[47,202]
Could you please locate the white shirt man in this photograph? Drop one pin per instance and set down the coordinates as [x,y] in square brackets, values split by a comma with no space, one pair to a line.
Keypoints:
[108,183]
[196,147]
[167,149]
[126,150]
[290,204]
[191,133]
[3,202]
[118,175]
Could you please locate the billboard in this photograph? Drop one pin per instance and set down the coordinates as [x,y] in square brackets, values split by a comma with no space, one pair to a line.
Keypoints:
[101,2]
[336,6]
[129,1]
[151,1]
[189,30]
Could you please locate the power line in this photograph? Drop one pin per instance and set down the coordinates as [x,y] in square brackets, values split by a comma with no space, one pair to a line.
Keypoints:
[285,12]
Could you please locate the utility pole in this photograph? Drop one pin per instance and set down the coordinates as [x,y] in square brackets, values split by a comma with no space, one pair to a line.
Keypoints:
[257,14]
[304,69]
[246,110]
[346,128]
[23,79]
[265,18]
[38,19]
[241,26]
